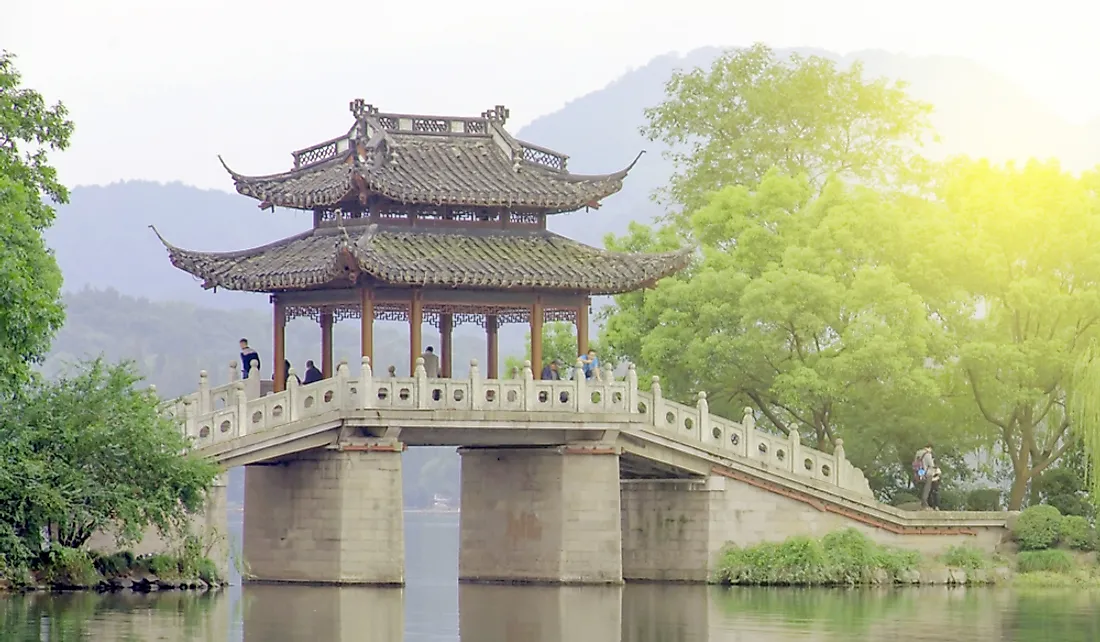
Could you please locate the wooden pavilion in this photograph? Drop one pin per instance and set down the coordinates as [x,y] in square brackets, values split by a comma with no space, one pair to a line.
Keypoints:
[428,219]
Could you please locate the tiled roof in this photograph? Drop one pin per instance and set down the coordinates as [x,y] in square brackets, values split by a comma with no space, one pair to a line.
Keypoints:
[481,166]
[402,255]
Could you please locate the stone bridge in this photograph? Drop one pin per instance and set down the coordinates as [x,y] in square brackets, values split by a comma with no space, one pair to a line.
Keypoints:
[569,481]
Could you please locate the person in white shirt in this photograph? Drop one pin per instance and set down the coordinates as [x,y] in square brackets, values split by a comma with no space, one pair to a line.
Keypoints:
[431,362]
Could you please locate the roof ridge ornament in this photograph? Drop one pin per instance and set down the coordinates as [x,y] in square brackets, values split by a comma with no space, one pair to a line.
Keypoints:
[499,112]
[360,108]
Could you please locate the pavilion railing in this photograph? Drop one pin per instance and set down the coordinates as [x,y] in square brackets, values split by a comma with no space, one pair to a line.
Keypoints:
[216,414]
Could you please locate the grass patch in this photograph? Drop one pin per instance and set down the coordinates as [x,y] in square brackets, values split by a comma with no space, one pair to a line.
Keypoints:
[1049,561]
[1049,580]
[966,557]
[845,557]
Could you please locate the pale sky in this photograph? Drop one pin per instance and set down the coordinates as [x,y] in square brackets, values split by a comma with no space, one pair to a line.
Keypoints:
[158,88]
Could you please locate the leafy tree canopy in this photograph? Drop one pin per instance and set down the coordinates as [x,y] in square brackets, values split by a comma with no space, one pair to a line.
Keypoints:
[752,111]
[30,311]
[89,452]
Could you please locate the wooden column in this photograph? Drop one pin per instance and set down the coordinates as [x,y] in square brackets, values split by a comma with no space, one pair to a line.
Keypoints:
[582,331]
[366,320]
[416,320]
[491,357]
[446,329]
[536,336]
[279,351]
[326,344]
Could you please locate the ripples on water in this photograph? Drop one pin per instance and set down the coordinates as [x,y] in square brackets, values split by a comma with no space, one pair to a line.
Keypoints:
[434,607]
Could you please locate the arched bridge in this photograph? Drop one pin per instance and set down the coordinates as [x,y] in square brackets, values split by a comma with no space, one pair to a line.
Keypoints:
[562,481]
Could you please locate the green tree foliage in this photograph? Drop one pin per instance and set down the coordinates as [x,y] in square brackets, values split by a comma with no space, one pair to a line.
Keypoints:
[559,341]
[87,452]
[752,111]
[1038,527]
[30,312]
[1006,260]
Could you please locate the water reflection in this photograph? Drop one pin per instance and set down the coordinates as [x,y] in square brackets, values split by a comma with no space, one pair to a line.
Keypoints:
[539,614]
[315,613]
[127,617]
[635,613]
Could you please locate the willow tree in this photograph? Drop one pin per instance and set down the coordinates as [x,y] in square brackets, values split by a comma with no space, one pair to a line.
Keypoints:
[1008,264]
[1084,411]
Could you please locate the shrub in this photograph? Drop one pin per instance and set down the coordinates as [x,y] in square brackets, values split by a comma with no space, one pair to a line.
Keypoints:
[984,499]
[69,567]
[1037,527]
[163,566]
[904,497]
[114,565]
[851,555]
[1051,561]
[951,499]
[966,557]
[1077,533]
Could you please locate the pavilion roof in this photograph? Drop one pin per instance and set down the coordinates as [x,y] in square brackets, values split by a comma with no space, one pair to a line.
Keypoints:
[430,160]
[441,257]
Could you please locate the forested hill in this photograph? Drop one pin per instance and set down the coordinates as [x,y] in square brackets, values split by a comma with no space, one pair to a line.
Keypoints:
[102,238]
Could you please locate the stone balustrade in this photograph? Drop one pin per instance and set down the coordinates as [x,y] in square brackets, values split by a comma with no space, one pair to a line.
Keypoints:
[216,414]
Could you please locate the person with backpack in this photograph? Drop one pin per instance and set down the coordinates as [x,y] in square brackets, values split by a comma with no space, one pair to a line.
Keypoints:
[923,463]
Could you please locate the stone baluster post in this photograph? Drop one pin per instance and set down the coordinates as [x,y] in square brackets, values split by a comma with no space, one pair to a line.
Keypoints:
[631,389]
[366,384]
[795,447]
[240,397]
[840,471]
[704,418]
[252,386]
[206,403]
[528,378]
[477,392]
[293,400]
[748,423]
[579,386]
[343,377]
[190,425]
[657,411]
[234,374]
[421,373]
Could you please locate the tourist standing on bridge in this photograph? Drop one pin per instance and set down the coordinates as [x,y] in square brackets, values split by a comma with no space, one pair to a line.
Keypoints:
[923,464]
[287,375]
[934,489]
[431,362]
[248,357]
[312,373]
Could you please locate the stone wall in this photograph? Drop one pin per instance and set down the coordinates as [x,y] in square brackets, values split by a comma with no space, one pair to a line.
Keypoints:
[326,516]
[674,530]
[540,515]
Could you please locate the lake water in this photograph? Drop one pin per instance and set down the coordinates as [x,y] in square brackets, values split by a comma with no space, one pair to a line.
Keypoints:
[434,607]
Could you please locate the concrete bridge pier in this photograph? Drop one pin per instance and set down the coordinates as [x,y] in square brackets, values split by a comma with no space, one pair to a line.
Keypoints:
[331,516]
[547,515]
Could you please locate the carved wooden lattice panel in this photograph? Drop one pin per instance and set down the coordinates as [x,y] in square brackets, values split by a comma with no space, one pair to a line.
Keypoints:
[475,127]
[388,123]
[430,125]
[523,218]
[315,154]
[543,157]
[431,313]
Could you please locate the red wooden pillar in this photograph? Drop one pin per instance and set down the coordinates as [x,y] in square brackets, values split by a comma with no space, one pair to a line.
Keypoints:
[279,351]
[491,324]
[326,343]
[446,329]
[366,328]
[416,322]
[537,314]
[582,331]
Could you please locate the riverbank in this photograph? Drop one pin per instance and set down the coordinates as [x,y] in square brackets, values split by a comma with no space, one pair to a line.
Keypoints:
[850,558]
[67,569]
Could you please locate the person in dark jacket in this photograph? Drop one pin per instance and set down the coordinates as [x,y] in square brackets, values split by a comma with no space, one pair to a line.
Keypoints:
[248,356]
[312,373]
[551,372]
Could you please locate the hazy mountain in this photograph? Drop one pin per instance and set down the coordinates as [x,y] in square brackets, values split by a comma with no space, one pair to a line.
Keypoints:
[102,238]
